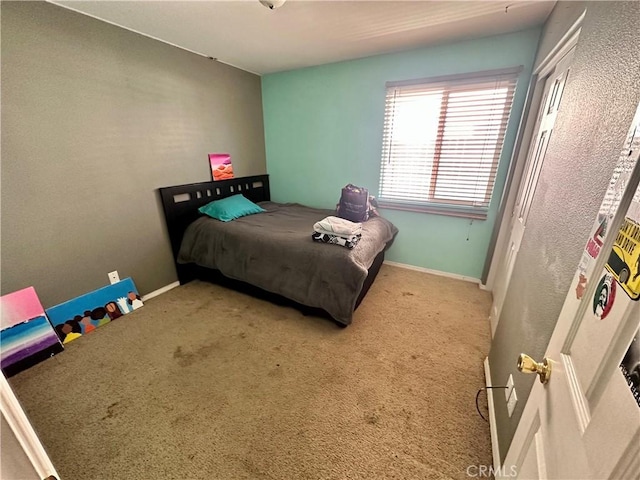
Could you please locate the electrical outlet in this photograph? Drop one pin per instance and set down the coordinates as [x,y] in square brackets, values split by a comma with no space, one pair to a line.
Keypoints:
[509,389]
[114,277]
[511,403]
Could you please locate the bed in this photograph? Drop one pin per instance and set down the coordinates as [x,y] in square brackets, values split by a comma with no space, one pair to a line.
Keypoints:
[271,254]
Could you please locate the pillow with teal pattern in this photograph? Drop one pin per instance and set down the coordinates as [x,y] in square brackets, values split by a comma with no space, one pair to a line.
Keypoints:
[230,208]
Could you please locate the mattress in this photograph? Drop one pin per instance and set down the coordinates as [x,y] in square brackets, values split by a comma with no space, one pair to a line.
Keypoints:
[274,251]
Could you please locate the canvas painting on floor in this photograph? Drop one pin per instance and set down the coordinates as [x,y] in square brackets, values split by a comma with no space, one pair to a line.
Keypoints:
[221,168]
[26,337]
[84,314]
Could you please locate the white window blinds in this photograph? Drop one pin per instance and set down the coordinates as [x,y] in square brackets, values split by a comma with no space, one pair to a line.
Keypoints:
[442,141]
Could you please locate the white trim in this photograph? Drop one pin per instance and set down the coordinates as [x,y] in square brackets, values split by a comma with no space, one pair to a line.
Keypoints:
[519,156]
[495,446]
[566,43]
[629,463]
[24,432]
[524,430]
[517,163]
[521,151]
[67,7]
[434,272]
[160,291]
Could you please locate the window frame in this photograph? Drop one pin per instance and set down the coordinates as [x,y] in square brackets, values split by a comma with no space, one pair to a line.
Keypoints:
[451,83]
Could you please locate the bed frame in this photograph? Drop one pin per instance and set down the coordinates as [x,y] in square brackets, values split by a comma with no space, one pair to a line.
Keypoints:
[180,204]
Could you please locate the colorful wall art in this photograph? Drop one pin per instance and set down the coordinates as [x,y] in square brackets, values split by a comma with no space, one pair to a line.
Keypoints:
[26,337]
[221,168]
[84,314]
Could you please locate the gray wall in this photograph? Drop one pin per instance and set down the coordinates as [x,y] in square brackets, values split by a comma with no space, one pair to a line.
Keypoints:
[94,119]
[600,99]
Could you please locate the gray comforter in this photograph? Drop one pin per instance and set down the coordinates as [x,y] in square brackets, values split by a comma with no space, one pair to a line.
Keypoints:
[274,251]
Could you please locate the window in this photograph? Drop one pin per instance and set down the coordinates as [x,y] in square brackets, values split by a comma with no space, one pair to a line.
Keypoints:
[442,142]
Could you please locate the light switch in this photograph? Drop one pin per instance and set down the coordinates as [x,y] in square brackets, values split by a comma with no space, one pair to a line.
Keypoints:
[511,403]
[509,389]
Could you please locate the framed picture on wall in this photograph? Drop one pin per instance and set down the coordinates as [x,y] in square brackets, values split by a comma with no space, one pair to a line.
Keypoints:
[221,168]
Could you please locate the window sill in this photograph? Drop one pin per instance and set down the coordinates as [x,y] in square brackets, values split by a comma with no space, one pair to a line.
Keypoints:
[435,209]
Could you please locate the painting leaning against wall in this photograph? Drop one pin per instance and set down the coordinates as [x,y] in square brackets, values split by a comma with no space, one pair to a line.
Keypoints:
[84,314]
[26,337]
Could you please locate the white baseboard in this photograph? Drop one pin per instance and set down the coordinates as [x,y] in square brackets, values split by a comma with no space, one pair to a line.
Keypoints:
[434,272]
[495,448]
[160,291]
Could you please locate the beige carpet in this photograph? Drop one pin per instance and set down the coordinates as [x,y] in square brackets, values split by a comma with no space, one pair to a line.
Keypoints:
[207,383]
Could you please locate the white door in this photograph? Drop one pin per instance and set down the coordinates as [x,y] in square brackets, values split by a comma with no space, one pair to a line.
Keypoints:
[554,84]
[585,422]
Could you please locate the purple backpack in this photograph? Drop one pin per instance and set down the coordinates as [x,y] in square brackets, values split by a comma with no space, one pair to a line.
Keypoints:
[354,204]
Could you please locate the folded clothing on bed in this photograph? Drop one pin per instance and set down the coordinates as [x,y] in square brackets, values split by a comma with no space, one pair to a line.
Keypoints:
[338,226]
[349,242]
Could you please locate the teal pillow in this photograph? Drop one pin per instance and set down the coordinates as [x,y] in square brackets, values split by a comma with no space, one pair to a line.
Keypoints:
[230,208]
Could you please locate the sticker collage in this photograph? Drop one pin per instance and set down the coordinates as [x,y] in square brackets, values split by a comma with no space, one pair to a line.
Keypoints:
[619,281]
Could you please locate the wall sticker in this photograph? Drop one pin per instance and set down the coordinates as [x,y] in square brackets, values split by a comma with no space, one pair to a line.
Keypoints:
[623,261]
[604,297]
[630,367]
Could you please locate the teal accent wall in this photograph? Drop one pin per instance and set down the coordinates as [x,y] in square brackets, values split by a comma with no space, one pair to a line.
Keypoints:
[323,129]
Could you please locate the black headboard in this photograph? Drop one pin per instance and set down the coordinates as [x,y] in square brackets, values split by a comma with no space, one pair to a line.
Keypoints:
[181,202]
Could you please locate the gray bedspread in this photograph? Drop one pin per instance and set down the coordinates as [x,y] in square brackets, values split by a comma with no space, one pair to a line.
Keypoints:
[274,251]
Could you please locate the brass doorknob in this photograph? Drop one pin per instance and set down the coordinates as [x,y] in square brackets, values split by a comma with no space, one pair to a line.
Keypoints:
[526,364]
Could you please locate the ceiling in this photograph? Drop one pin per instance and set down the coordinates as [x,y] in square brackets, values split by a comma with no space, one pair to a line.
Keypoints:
[245,34]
